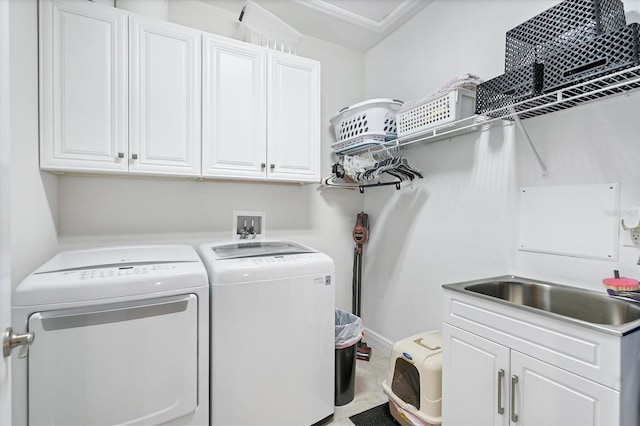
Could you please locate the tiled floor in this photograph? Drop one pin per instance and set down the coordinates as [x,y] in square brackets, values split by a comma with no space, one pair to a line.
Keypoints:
[368,388]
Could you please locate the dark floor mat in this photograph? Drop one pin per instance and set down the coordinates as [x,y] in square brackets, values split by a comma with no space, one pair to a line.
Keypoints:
[376,416]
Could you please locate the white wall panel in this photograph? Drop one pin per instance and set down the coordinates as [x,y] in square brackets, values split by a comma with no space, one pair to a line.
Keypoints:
[462,222]
[34,200]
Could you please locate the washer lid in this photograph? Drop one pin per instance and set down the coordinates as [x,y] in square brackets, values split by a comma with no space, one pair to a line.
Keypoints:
[258,249]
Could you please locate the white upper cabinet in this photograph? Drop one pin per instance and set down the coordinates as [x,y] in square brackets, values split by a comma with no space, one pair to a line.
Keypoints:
[83,87]
[261,113]
[293,148]
[234,108]
[164,101]
[126,93]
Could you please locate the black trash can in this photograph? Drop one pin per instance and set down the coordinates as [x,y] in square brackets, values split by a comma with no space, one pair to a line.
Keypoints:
[345,374]
[348,334]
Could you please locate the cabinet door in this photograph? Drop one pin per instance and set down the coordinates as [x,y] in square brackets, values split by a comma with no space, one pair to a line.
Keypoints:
[547,395]
[474,379]
[164,98]
[234,110]
[293,142]
[83,86]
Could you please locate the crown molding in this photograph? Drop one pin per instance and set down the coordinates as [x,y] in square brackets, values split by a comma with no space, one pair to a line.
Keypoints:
[389,22]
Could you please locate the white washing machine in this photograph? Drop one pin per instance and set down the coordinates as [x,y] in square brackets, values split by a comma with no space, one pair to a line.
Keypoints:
[272,333]
[121,336]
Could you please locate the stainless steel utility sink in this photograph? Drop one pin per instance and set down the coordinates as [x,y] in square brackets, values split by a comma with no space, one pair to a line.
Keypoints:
[585,306]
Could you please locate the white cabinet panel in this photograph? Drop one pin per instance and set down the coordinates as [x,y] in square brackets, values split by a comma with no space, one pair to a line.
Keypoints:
[475,380]
[293,147]
[164,98]
[234,110]
[547,395]
[83,87]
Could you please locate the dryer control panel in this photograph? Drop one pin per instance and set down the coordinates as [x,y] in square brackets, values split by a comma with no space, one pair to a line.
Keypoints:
[88,274]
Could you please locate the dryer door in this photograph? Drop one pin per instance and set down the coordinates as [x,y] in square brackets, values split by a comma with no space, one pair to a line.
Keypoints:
[133,362]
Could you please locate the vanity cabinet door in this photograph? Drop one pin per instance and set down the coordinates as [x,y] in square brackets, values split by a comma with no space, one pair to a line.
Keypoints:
[475,382]
[83,87]
[547,395]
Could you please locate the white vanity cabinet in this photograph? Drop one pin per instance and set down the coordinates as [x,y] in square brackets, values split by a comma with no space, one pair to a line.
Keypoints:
[83,87]
[507,366]
[261,113]
[489,384]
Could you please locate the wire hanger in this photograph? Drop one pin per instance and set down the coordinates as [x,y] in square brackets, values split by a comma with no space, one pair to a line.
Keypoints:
[397,167]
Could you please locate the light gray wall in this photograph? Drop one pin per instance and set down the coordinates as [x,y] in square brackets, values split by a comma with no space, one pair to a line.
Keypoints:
[461,221]
[101,210]
[34,201]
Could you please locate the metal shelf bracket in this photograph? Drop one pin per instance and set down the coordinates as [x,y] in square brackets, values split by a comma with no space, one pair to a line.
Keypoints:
[524,133]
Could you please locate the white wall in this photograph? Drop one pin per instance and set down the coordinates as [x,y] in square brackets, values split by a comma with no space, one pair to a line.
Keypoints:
[461,222]
[103,210]
[592,144]
[34,206]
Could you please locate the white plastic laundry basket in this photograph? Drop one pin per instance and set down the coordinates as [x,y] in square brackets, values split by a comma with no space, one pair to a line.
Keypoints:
[370,122]
[437,110]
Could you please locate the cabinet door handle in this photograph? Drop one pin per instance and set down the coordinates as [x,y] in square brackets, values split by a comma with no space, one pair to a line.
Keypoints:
[121,155]
[134,156]
[500,379]
[272,166]
[263,165]
[514,382]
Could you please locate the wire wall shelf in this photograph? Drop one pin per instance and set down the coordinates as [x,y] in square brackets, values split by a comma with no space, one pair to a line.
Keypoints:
[614,84]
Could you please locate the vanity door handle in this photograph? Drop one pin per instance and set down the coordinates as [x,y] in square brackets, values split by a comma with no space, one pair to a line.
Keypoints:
[500,380]
[514,382]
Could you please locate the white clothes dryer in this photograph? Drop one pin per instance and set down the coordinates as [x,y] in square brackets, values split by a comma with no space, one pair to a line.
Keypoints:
[121,336]
[272,333]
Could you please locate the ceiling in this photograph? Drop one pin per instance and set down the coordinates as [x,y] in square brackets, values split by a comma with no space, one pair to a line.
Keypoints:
[357,24]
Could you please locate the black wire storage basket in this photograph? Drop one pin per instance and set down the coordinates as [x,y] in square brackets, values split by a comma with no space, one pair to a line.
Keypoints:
[559,27]
[606,53]
[511,87]
[553,35]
